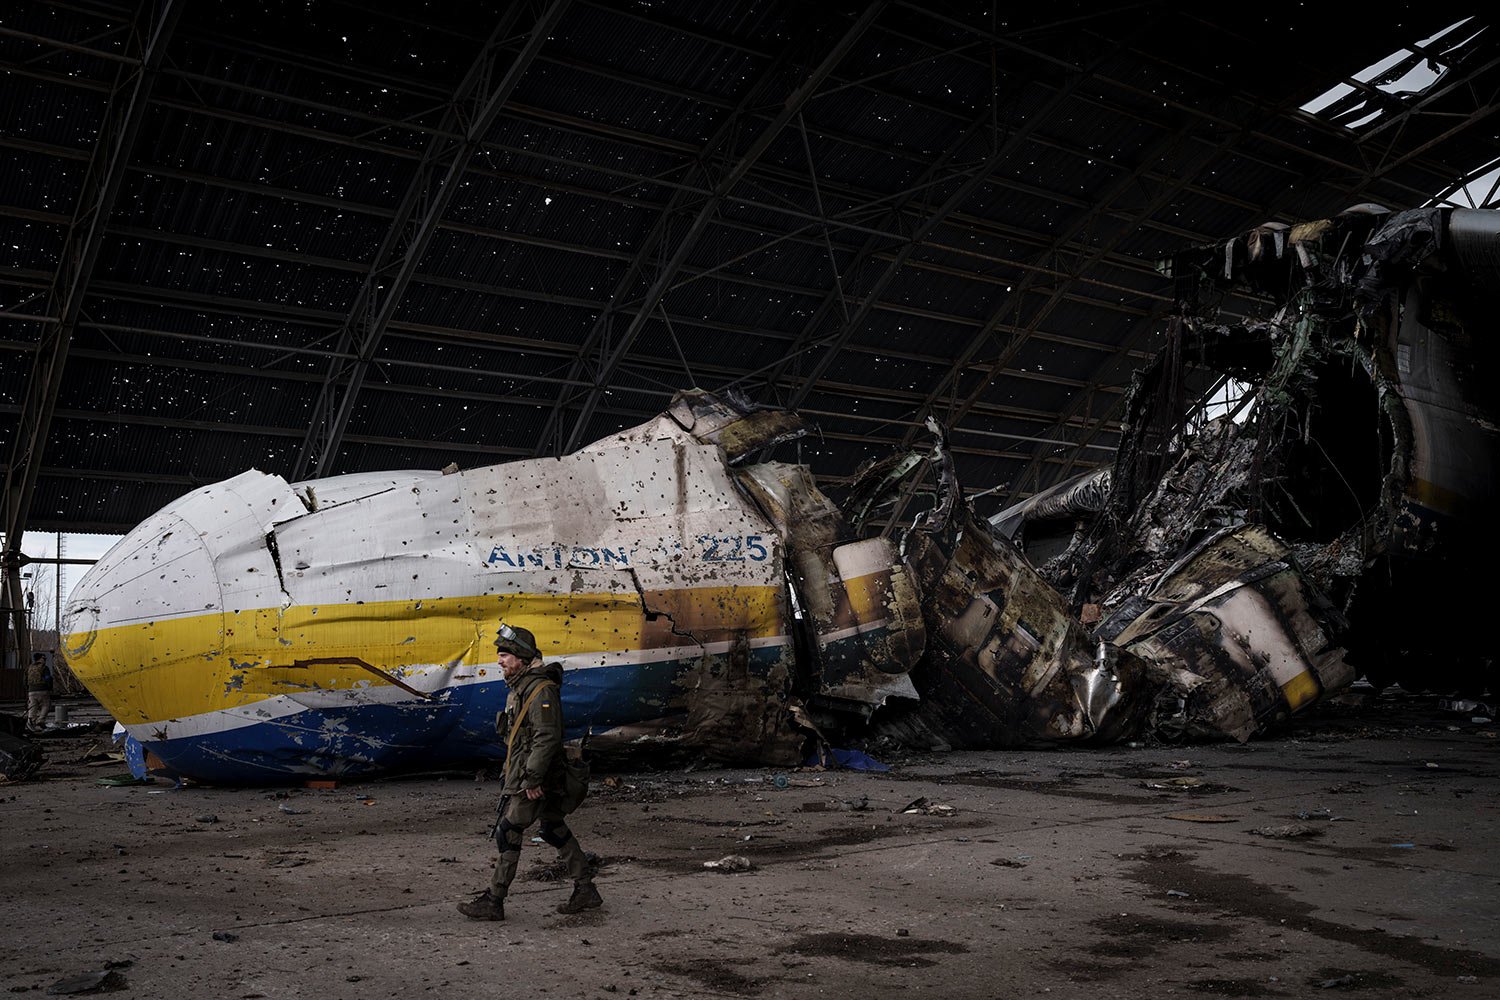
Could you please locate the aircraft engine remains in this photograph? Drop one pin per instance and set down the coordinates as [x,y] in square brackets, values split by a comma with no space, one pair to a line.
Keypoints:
[1207,585]
[1348,495]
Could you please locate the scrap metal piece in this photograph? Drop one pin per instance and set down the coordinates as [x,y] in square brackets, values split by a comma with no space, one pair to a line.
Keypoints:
[854,597]
[1006,662]
[731,421]
[102,981]
[20,758]
[1079,497]
[1231,635]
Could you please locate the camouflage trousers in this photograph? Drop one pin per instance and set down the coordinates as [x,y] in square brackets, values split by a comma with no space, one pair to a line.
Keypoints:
[517,812]
[38,704]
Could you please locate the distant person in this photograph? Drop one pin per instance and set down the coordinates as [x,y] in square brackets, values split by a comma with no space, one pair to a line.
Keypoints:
[538,785]
[38,691]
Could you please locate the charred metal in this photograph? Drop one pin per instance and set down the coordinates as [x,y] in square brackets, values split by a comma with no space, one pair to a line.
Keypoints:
[1339,503]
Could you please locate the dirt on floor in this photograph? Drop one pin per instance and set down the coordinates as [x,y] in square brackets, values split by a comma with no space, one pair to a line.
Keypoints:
[1354,852]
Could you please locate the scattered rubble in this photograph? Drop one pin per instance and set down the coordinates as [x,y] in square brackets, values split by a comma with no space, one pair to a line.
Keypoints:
[20,757]
[1290,831]
[1348,489]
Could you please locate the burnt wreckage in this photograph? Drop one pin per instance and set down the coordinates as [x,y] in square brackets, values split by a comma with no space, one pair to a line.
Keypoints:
[1208,584]
[1348,497]
[256,630]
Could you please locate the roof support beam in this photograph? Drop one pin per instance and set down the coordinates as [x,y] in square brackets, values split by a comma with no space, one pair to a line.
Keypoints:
[873,250]
[144,50]
[1113,369]
[265,430]
[958,410]
[999,153]
[684,189]
[1080,224]
[416,87]
[1338,159]
[1079,412]
[598,339]
[470,114]
[718,272]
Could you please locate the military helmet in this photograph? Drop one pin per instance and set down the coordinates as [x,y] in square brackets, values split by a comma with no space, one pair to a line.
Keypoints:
[518,641]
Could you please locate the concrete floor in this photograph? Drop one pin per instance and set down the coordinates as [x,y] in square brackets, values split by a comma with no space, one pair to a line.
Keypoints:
[1058,873]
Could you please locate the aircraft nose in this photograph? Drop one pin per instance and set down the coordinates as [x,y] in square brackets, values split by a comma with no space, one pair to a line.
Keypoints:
[140,614]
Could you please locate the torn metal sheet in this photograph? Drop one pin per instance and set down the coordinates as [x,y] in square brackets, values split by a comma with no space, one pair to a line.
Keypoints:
[1233,637]
[1006,661]
[855,598]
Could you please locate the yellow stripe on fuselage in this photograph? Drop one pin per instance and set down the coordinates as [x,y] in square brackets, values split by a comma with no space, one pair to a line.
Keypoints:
[1439,498]
[868,596]
[179,667]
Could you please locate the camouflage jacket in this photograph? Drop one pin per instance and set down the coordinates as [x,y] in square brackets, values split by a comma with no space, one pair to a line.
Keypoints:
[536,757]
[38,676]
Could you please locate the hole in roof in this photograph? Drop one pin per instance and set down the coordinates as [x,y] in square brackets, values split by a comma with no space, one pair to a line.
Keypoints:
[1388,84]
[1480,188]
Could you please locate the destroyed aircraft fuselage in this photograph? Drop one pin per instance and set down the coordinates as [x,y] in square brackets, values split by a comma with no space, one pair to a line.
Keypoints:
[256,630]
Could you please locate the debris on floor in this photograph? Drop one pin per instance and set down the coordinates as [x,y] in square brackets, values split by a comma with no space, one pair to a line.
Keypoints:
[1289,831]
[20,757]
[1173,784]
[103,981]
[1203,818]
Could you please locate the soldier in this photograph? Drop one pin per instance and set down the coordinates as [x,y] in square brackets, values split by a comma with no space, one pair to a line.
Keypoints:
[38,690]
[532,726]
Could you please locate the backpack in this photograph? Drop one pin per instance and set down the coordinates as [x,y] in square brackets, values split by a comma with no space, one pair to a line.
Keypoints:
[575,786]
[575,783]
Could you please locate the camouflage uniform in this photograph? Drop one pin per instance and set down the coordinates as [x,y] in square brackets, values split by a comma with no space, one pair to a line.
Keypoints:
[535,760]
[38,691]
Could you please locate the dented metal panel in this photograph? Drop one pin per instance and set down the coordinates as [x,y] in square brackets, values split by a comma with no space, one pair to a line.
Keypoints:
[855,597]
[1230,633]
[215,629]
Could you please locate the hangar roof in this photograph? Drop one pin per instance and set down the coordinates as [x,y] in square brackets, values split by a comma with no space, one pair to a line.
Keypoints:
[322,236]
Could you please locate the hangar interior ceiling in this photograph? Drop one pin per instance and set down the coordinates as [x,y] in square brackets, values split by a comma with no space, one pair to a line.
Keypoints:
[326,237]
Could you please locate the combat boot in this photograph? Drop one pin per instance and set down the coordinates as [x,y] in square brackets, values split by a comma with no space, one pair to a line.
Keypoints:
[585,897]
[485,907]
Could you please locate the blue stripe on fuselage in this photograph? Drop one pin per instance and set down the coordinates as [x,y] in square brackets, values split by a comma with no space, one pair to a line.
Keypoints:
[456,726]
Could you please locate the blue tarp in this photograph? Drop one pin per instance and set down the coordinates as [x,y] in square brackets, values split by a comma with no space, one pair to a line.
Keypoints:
[854,760]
